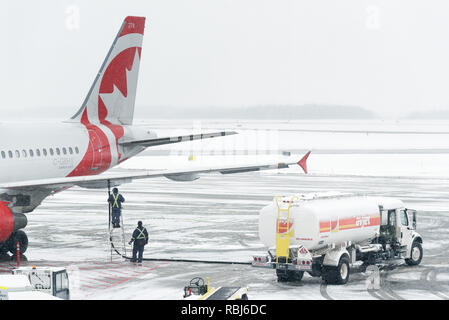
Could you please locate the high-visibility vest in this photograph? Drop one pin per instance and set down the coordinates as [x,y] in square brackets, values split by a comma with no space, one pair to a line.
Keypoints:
[115,204]
[141,234]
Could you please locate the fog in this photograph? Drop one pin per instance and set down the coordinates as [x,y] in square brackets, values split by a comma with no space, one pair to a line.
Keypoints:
[388,57]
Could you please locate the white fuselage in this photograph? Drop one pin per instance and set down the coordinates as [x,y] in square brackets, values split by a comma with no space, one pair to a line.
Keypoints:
[40,151]
[33,151]
[25,150]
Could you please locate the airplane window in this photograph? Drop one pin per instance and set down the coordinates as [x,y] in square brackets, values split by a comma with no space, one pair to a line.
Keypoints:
[10,153]
[70,150]
[58,152]
[77,150]
[51,151]
[3,154]
[24,153]
[38,152]
[64,150]
[17,154]
[31,153]
[44,152]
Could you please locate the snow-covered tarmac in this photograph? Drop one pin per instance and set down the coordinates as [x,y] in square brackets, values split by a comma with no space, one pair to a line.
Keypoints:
[216,218]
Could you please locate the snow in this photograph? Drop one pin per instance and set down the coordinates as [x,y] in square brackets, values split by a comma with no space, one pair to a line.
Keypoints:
[216,217]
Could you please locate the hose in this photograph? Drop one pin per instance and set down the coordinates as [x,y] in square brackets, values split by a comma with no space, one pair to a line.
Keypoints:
[161,259]
[176,260]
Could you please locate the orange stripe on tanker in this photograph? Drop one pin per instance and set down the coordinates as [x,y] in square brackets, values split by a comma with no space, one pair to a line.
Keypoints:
[351,223]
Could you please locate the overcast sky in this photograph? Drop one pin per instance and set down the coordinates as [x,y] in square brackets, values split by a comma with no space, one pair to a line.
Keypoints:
[388,56]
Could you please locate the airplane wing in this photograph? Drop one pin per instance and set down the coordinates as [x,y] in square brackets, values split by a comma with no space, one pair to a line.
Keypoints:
[112,179]
[169,140]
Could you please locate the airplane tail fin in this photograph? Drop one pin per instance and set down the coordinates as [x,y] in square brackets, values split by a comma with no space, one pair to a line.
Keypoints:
[112,95]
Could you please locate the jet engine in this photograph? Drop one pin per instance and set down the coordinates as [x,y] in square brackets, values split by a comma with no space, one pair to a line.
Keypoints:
[10,223]
[6,222]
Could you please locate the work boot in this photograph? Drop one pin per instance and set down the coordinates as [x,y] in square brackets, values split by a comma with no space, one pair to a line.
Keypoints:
[133,260]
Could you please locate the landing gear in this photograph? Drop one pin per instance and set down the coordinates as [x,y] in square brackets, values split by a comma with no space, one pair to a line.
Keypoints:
[3,249]
[17,236]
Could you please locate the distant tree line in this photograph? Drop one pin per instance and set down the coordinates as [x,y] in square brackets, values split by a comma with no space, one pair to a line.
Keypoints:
[432,114]
[309,111]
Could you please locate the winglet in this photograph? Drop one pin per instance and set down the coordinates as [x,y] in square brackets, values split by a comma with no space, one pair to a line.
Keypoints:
[303,162]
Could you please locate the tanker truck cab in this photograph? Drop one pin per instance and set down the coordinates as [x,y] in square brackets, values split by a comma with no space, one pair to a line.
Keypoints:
[326,234]
[398,231]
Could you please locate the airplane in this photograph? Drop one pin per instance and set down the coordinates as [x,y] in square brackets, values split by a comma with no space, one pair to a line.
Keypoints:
[38,160]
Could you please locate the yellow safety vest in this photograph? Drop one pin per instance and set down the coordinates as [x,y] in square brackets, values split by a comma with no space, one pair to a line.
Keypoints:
[141,235]
[115,204]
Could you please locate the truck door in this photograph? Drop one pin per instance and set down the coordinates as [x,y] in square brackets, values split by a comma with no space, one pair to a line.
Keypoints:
[388,225]
[405,228]
[411,218]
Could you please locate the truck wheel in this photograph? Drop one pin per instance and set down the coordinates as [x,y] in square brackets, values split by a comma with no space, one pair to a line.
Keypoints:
[281,275]
[343,270]
[415,255]
[338,274]
[289,275]
[296,275]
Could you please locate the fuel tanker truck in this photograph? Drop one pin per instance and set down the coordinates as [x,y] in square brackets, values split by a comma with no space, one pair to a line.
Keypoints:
[325,234]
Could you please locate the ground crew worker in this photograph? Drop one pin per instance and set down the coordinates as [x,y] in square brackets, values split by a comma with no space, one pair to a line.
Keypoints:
[140,239]
[115,200]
